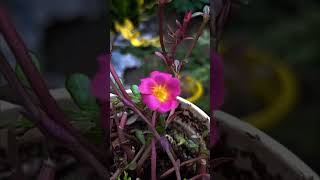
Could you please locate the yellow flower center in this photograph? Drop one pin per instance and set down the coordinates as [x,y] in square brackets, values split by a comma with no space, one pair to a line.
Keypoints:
[160,92]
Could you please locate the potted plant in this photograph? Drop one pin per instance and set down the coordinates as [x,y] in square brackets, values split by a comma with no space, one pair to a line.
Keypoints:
[147,132]
[151,122]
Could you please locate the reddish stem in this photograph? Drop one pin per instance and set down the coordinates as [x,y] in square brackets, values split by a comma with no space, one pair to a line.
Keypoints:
[122,138]
[45,123]
[154,151]
[37,83]
[123,120]
[160,16]
[169,171]
[206,176]
[118,81]
[47,171]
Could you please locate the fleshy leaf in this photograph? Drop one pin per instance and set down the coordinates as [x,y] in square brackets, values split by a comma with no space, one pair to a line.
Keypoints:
[139,134]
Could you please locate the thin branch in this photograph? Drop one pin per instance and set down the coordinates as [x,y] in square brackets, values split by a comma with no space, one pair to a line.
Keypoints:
[47,171]
[207,176]
[118,81]
[122,139]
[161,36]
[199,33]
[169,171]
[154,151]
[45,123]
[144,157]
[37,83]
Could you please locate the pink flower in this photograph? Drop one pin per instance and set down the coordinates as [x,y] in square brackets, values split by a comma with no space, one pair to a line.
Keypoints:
[159,91]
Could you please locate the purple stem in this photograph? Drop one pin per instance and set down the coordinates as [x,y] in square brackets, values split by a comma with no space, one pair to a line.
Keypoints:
[123,120]
[160,16]
[122,139]
[154,151]
[117,79]
[47,171]
[37,83]
[188,162]
[206,176]
[45,123]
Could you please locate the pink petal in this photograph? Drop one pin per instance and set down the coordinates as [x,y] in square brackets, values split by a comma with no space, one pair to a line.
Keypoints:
[165,107]
[160,78]
[173,86]
[174,104]
[151,101]
[146,85]
[168,105]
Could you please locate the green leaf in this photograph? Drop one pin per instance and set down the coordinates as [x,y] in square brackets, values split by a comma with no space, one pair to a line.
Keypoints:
[24,122]
[191,144]
[180,139]
[161,125]
[139,134]
[78,86]
[21,76]
[136,93]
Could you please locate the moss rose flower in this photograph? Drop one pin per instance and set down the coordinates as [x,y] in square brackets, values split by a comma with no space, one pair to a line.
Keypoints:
[159,91]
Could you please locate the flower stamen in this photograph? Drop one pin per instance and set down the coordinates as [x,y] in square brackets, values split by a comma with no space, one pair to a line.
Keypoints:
[160,92]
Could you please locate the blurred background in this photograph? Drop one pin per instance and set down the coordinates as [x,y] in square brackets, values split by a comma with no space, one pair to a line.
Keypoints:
[271,53]
[271,50]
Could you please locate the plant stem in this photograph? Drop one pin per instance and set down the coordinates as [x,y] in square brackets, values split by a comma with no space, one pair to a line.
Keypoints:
[207,176]
[116,174]
[120,170]
[47,171]
[37,83]
[45,123]
[144,157]
[118,81]
[138,154]
[122,139]
[154,151]
[161,36]
[169,171]
[199,32]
